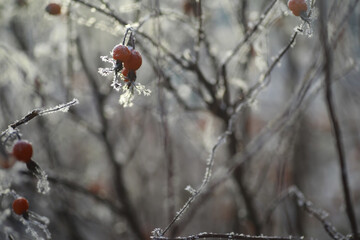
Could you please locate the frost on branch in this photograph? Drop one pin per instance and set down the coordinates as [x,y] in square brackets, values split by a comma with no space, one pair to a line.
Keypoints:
[43,183]
[157,232]
[127,97]
[33,222]
[191,190]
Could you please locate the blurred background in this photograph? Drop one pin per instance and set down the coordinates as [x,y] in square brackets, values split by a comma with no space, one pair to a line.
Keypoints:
[119,173]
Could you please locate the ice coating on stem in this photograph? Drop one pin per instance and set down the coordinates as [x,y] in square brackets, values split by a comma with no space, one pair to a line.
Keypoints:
[43,183]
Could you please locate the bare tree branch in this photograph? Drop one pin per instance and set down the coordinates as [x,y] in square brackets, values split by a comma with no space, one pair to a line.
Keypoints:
[227,236]
[328,65]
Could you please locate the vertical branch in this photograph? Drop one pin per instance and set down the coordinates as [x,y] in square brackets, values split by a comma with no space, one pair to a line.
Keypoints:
[119,182]
[238,175]
[200,29]
[69,52]
[164,124]
[333,117]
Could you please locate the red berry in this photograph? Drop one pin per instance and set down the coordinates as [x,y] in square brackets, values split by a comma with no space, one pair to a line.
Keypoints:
[22,151]
[125,73]
[121,53]
[20,206]
[134,61]
[53,9]
[297,6]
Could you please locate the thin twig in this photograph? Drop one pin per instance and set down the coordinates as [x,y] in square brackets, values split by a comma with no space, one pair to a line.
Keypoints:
[206,179]
[72,185]
[308,206]
[200,30]
[334,119]
[261,83]
[248,34]
[227,236]
[38,112]
[318,213]
[166,136]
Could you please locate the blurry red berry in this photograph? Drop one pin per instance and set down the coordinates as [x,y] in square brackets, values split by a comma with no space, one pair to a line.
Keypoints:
[187,7]
[125,73]
[22,151]
[121,53]
[53,9]
[297,6]
[134,61]
[20,206]
[7,163]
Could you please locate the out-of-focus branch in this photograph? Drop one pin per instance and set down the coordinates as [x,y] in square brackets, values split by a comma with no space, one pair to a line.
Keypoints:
[200,30]
[227,133]
[261,83]
[166,134]
[304,95]
[248,34]
[351,9]
[170,86]
[309,207]
[328,65]
[227,236]
[253,147]
[72,185]
[101,10]
[144,35]
[129,211]
[206,179]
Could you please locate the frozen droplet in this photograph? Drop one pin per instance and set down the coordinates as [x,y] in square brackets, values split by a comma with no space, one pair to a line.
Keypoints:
[190,189]
[43,183]
[157,232]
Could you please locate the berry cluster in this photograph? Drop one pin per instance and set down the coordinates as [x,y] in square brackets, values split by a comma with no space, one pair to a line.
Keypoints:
[22,151]
[125,61]
[128,60]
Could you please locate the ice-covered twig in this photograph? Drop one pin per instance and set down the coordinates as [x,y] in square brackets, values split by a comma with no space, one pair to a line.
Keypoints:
[206,235]
[206,179]
[38,112]
[318,213]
